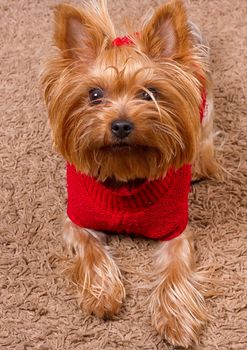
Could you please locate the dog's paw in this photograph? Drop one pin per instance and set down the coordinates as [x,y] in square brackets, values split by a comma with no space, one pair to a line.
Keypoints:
[93,271]
[101,291]
[178,310]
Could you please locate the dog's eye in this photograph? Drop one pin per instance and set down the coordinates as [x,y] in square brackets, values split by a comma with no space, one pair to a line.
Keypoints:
[147,96]
[96,95]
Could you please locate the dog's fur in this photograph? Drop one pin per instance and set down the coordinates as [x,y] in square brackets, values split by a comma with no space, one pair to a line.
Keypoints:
[170,56]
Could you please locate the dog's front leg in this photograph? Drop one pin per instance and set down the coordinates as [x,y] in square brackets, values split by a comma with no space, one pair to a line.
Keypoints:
[94,271]
[177,303]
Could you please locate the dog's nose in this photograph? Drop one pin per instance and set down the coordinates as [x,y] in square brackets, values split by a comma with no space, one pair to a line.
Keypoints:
[121,128]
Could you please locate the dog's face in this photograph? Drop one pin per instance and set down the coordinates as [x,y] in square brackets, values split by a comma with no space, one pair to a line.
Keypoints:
[129,111]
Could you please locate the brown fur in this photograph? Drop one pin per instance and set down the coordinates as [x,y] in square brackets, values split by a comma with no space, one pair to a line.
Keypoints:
[167,56]
[177,303]
[100,289]
[166,132]
[205,164]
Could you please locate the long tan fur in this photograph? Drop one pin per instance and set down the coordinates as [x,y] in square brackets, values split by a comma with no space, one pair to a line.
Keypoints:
[166,130]
[168,61]
[177,302]
[93,270]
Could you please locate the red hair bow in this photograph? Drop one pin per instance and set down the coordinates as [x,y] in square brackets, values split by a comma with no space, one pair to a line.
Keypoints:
[120,41]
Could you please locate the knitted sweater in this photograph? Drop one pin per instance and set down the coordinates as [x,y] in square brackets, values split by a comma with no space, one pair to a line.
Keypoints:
[156,209]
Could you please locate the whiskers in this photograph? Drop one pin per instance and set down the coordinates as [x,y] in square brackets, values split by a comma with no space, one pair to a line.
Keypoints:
[165,129]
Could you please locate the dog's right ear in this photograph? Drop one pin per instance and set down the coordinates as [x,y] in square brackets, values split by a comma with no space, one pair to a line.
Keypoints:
[166,34]
[77,34]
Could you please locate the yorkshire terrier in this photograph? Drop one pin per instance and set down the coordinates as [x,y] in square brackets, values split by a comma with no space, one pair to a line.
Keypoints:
[133,117]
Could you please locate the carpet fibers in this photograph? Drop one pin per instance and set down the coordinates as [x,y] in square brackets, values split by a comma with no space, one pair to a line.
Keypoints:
[38,307]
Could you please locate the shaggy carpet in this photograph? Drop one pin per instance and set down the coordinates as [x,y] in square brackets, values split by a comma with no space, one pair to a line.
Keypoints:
[38,307]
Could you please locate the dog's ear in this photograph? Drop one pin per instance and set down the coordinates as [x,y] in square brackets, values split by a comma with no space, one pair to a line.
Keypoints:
[77,33]
[167,34]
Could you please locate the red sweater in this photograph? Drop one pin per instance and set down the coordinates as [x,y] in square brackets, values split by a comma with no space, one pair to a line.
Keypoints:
[156,209]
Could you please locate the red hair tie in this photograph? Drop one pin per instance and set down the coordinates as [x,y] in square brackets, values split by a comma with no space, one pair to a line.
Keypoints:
[120,41]
[124,40]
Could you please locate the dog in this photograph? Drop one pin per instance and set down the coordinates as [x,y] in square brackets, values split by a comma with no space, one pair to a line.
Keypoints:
[133,118]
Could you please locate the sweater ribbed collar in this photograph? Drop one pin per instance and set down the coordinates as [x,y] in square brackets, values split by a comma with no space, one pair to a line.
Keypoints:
[126,199]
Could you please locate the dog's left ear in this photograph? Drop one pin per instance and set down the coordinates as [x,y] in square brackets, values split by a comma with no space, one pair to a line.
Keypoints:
[167,34]
[81,33]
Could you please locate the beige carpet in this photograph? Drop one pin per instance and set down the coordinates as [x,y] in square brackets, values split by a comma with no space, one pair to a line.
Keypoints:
[38,310]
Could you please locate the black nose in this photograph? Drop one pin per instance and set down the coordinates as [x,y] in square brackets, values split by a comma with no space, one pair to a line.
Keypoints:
[121,128]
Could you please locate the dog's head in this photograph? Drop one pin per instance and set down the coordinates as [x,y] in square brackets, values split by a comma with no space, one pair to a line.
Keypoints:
[125,109]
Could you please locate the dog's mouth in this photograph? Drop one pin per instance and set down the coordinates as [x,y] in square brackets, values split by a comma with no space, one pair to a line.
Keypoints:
[127,162]
[123,146]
